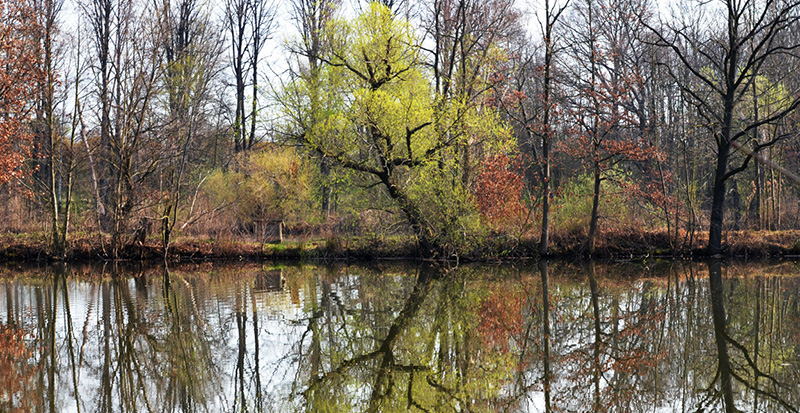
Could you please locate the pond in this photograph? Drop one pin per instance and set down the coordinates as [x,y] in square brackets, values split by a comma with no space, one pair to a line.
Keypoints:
[631,337]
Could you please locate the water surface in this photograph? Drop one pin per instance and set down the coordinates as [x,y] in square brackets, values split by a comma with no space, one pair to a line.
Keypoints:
[661,337]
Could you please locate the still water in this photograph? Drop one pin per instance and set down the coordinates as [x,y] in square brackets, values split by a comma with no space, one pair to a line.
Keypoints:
[660,337]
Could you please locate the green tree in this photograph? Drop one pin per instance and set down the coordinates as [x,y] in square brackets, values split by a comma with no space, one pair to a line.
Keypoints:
[380,116]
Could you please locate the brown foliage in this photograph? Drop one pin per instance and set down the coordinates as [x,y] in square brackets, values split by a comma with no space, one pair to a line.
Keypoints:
[16,372]
[499,190]
[19,78]
[501,317]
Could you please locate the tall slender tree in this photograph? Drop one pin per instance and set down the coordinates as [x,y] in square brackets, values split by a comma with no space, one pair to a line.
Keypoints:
[249,24]
[552,13]
[126,71]
[191,48]
[56,166]
[310,18]
[601,87]
[261,27]
[236,20]
[467,39]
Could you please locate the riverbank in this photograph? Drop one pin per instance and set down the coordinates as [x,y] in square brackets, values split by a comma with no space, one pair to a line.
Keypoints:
[616,245]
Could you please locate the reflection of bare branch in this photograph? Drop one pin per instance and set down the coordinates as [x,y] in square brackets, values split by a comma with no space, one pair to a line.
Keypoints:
[410,369]
[758,390]
[316,380]
[444,390]
[758,373]
[385,351]
[410,394]
[713,381]
[749,360]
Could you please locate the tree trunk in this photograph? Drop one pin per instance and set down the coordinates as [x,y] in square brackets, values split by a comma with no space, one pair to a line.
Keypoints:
[759,182]
[325,189]
[106,163]
[411,212]
[718,200]
[251,140]
[595,211]
[166,230]
[548,61]
[239,126]
[544,239]
[735,204]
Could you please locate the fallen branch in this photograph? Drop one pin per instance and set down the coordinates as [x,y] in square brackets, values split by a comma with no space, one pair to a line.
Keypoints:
[791,175]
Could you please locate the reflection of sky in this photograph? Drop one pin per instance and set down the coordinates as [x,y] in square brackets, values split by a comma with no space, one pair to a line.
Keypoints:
[280,324]
[360,309]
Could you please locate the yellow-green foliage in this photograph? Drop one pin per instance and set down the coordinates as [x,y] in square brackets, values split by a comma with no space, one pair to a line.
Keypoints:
[771,97]
[372,109]
[269,184]
[382,48]
[448,209]
[573,205]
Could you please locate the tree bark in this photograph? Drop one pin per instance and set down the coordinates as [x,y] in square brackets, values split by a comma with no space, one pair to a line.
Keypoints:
[718,201]
[411,212]
[595,211]
[544,239]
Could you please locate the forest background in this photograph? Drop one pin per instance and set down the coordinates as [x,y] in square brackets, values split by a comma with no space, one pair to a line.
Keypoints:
[398,127]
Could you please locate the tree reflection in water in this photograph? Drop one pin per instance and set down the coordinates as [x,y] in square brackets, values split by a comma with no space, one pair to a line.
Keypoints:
[554,337]
[743,368]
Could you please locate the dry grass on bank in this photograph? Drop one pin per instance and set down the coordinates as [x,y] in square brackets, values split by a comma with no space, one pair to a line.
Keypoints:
[619,243]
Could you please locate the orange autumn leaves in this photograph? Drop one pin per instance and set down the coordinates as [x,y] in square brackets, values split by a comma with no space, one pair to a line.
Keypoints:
[499,191]
[20,76]
[501,317]
[16,372]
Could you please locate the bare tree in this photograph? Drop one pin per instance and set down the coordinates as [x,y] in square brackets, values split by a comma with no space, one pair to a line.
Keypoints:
[464,34]
[101,20]
[310,18]
[250,24]
[127,69]
[56,152]
[602,85]
[261,27]
[191,51]
[723,61]
[552,13]
[529,97]
[236,16]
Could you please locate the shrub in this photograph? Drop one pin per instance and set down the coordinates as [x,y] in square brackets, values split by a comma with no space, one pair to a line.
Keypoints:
[270,184]
[573,205]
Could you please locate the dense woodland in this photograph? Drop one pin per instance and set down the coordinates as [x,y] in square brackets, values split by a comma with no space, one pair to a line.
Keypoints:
[455,124]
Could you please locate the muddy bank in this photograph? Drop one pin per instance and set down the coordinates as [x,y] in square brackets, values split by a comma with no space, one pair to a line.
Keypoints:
[617,245]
